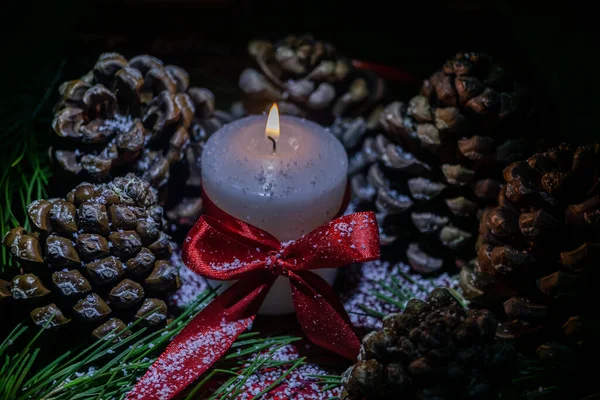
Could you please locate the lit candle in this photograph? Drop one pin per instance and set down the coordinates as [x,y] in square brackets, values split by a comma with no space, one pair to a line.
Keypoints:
[286,176]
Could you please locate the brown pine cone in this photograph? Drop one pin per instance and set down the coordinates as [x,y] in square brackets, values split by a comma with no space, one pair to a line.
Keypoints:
[539,249]
[184,205]
[433,350]
[307,77]
[137,114]
[439,161]
[101,252]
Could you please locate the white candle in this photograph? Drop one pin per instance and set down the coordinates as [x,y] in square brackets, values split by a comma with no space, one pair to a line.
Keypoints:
[287,191]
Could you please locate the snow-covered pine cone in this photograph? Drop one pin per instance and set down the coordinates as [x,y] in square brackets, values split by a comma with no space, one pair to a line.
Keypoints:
[137,115]
[309,78]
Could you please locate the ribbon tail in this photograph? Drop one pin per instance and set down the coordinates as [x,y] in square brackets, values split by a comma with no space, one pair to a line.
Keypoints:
[204,340]
[321,315]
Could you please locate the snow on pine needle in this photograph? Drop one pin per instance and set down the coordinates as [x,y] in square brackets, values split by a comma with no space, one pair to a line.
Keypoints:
[102,369]
[276,374]
[191,284]
[374,289]
[108,369]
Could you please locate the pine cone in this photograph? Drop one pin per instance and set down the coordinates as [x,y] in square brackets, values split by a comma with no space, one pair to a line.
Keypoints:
[307,77]
[433,350]
[352,131]
[185,207]
[539,249]
[102,252]
[440,160]
[129,113]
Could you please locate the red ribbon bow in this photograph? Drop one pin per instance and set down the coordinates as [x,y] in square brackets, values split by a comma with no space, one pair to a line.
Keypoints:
[222,247]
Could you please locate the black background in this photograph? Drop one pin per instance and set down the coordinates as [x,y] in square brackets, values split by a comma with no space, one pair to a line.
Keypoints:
[554,50]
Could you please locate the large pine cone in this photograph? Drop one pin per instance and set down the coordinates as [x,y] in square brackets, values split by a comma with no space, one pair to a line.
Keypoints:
[99,254]
[433,350]
[130,112]
[307,77]
[440,160]
[539,249]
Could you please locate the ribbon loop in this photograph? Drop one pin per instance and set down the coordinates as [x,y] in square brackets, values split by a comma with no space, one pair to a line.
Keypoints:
[227,248]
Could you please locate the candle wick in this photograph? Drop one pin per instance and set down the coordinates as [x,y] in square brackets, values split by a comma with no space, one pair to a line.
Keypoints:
[274,144]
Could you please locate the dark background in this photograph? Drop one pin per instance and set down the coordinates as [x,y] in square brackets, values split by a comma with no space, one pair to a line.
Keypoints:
[554,51]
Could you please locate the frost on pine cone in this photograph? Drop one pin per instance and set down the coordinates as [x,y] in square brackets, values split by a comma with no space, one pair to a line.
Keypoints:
[100,256]
[307,77]
[540,248]
[433,350]
[440,160]
[134,113]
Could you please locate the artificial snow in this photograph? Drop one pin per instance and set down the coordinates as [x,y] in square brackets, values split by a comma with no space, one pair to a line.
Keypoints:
[120,123]
[297,385]
[365,280]
[170,371]
[192,284]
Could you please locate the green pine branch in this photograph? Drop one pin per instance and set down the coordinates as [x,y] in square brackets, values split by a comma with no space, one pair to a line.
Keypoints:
[103,369]
[239,374]
[108,369]
[24,166]
[395,291]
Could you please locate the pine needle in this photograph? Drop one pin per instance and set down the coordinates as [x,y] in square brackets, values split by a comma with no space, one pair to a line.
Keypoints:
[281,378]
[328,382]
[24,164]
[371,312]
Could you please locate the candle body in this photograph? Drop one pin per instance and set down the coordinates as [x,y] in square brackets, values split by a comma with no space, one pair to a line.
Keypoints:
[288,194]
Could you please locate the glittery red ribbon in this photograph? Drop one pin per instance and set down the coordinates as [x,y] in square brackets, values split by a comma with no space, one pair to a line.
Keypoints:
[222,247]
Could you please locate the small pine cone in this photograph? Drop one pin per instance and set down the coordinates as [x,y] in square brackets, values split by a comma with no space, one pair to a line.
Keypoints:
[94,255]
[136,113]
[540,249]
[307,77]
[435,348]
[439,163]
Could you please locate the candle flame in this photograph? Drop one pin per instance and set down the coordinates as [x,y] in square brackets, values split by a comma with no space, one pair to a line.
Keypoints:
[272,128]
